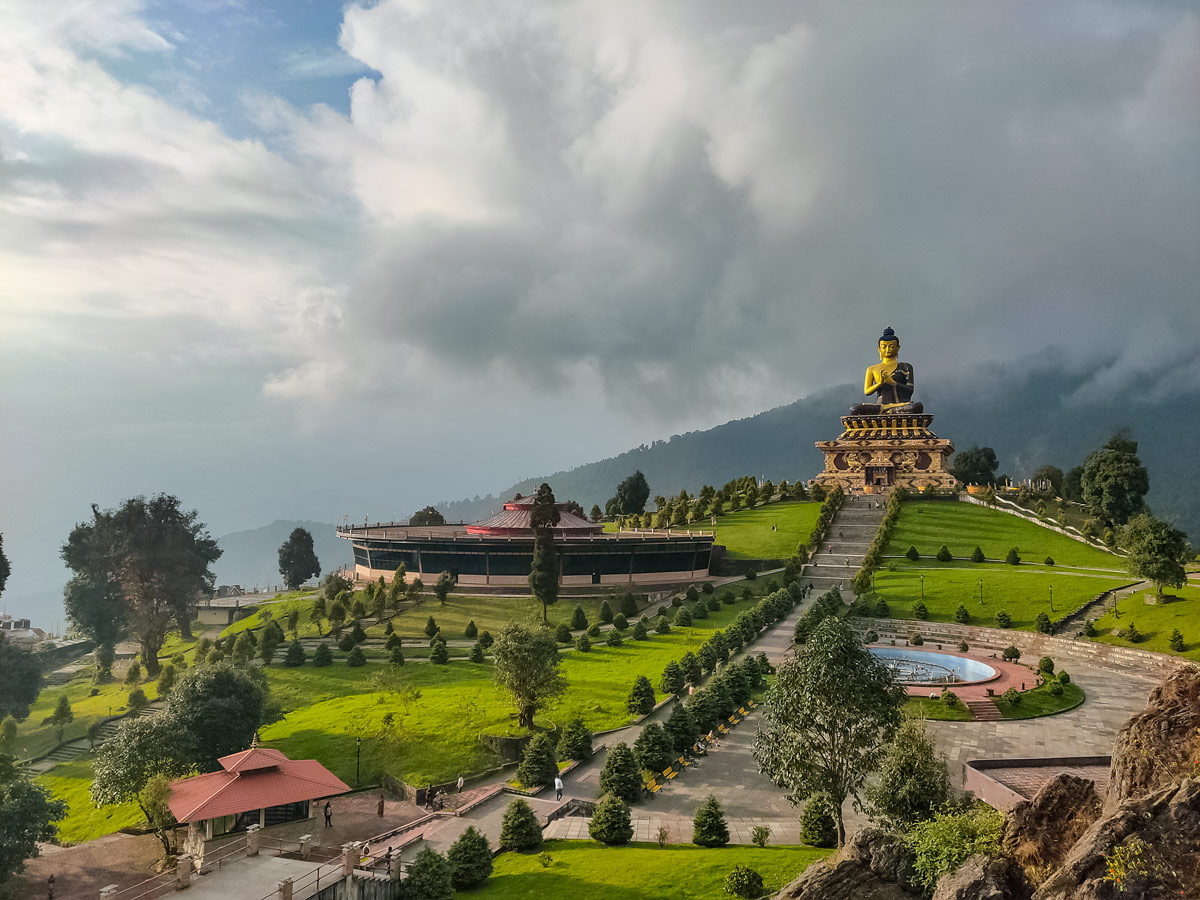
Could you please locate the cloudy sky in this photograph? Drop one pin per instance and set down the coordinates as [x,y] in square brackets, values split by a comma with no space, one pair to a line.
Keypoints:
[304,259]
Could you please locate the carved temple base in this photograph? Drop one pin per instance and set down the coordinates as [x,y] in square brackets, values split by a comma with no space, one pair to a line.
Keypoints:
[875,452]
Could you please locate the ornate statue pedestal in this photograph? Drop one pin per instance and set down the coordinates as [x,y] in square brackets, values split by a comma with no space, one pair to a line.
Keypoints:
[875,452]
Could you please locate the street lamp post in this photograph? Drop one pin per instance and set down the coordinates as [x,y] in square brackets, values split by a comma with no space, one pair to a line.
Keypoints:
[1051,598]
[981,592]
[922,577]
[357,758]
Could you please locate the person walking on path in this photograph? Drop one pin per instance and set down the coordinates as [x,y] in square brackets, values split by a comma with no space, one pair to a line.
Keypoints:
[328,814]
[558,787]
[379,807]
[460,784]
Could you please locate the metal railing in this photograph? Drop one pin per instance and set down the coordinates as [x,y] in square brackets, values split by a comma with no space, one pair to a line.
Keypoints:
[157,886]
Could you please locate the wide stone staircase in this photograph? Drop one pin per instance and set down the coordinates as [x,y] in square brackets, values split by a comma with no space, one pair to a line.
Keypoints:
[840,554]
[76,748]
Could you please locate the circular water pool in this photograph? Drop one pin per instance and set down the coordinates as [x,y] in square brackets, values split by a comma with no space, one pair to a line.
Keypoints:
[912,666]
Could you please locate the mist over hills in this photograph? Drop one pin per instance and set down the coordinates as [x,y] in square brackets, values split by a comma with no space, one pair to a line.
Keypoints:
[1030,415]
[251,558]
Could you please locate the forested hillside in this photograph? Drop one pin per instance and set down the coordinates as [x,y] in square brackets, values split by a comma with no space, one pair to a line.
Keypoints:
[1030,418]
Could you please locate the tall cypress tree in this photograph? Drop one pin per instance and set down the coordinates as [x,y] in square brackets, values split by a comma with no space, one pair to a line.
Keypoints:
[543,577]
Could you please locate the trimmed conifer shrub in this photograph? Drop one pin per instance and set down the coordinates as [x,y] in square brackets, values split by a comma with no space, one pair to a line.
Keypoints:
[356,658]
[912,554]
[471,631]
[428,877]
[1046,665]
[613,638]
[576,741]
[397,656]
[641,696]
[594,631]
[562,634]
[961,615]
[357,632]
[346,644]
[672,678]
[322,656]
[920,610]
[294,657]
[620,622]
[1049,560]
[486,640]
[621,776]
[470,859]
[539,764]
[438,654]
[977,555]
[654,749]
[1010,653]
[1003,619]
[708,827]
[1042,623]
[579,619]
[1176,642]
[943,554]
[629,605]
[817,825]
[582,644]
[519,830]
[1013,558]
[662,626]
[1063,677]
[683,618]
[431,627]
[611,823]
[639,631]
[700,611]
[606,613]
[882,610]
[394,640]
[476,655]
[727,597]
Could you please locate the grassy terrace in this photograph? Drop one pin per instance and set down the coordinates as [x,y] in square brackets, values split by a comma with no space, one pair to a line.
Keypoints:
[747,533]
[70,781]
[1156,621]
[35,739]
[1080,572]
[585,870]
[439,710]
[1040,702]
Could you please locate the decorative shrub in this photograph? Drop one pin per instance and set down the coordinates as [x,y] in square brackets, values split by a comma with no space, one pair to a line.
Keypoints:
[708,827]
[576,741]
[713,603]
[944,843]
[563,635]
[579,619]
[961,615]
[750,576]
[870,637]
[672,678]
[1013,558]
[1043,624]
[920,610]
[1010,653]
[1056,689]
[912,554]
[397,656]
[759,835]
[654,748]
[476,655]
[700,611]
[683,618]
[727,598]
[621,776]
[538,765]
[1003,619]
[519,830]
[357,632]
[1012,697]
[431,627]
[620,622]
[471,631]
[439,655]
[641,696]
[428,877]
[611,823]
[662,626]
[470,859]
[322,656]
[1176,642]
[882,610]
[1131,634]
[629,605]
[692,594]
[818,827]
[356,658]
[583,644]
[394,640]
[1046,665]
[916,640]
[977,555]
[963,647]
[951,699]
[1049,560]
[486,640]
[294,657]
[639,631]
[744,882]
[613,638]
[347,643]
[944,554]
[606,613]
[1063,677]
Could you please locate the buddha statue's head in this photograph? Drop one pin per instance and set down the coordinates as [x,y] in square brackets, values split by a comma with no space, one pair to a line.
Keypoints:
[889,345]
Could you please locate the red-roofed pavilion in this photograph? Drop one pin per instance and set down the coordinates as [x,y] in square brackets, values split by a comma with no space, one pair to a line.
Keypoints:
[258,786]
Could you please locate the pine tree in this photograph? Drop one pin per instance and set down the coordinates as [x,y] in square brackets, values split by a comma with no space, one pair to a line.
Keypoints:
[817,825]
[708,827]
[629,605]
[620,622]
[397,657]
[356,658]
[920,610]
[579,619]
[438,654]
[576,741]
[611,823]
[428,877]
[519,830]
[476,655]
[606,613]
[943,554]
[672,678]
[322,657]
[295,655]
[539,764]
[470,859]
[1043,623]
[1003,619]
[682,729]
[1176,643]
[641,697]
[471,632]
[683,618]
[691,668]
[961,615]
[654,749]
[621,776]
[639,631]
[977,555]
[431,627]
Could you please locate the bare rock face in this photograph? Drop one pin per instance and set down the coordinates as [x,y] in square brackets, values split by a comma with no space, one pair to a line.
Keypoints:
[983,878]
[1155,747]
[1164,829]
[1040,832]
[874,865]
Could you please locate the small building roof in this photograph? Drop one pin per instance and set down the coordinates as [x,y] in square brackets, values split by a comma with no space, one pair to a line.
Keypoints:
[253,779]
[517,519]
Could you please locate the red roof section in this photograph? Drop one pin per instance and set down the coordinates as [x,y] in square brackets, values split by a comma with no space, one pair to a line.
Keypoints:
[253,779]
[516,516]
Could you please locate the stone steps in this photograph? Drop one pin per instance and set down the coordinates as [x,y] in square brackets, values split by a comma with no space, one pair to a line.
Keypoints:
[984,710]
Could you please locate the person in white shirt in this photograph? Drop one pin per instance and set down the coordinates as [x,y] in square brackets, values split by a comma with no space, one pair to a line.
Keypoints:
[558,787]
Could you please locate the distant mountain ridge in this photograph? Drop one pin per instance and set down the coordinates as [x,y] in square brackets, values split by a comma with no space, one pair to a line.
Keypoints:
[1030,420]
[251,558]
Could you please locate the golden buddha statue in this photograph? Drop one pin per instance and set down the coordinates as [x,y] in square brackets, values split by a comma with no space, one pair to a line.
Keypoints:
[890,380]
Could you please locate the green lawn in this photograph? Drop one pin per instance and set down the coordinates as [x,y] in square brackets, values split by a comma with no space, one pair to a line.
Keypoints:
[747,534]
[439,710]
[35,739]
[936,709]
[1157,621]
[585,870]
[1040,702]
[1022,591]
[962,527]
[70,781]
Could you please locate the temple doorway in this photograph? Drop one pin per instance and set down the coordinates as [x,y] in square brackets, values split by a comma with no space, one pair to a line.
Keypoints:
[879,476]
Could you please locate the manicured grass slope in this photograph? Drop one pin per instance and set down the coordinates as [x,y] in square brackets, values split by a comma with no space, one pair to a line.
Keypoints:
[439,710]
[1040,702]
[1079,574]
[585,870]
[70,781]
[1157,621]
[35,739]
[747,534]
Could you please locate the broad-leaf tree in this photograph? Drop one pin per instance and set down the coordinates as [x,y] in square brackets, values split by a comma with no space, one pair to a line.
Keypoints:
[427,516]
[526,665]
[20,679]
[443,586]
[1114,481]
[98,610]
[1157,551]
[297,560]
[27,817]
[141,748]
[828,717]
[219,708]
[632,494]
[160,556]
[976,465]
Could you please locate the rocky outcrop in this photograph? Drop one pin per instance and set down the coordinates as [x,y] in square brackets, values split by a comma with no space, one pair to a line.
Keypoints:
[874,865]
[1159,832]
[1157,746]
[1040,832]
[984,878]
